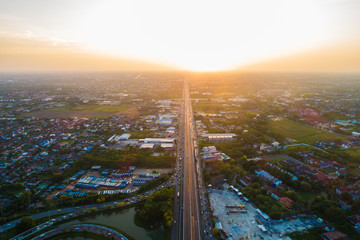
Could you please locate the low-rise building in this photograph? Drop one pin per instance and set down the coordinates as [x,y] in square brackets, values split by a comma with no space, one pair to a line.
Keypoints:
[334,235]
[220,137]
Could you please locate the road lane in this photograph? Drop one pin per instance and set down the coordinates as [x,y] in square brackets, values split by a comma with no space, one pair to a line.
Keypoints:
[191,219]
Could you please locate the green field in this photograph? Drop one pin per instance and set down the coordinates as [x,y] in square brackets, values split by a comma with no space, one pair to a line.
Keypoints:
[84,110]
[355,153]
[208,107]
[275,158]
[302,133]
[96,108]
[336,115]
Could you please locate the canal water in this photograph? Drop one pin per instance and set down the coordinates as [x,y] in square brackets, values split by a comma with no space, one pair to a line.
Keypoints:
[123,220]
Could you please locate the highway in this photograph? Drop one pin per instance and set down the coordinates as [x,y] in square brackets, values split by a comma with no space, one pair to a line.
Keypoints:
[191,219]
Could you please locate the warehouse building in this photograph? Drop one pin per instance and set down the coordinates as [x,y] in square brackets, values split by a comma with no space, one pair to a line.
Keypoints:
[220,137]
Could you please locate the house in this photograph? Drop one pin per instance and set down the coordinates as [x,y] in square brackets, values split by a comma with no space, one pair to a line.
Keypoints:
[275,144]
[96,168]
[329,228]
[355,134]
[334,235]
[209,149]
[344,205]
[355,221]
[285,201]
[265,147]
[341,172]
[276,195]
[322,178]
[345,146]
[247,180]
[268,177]
[342,189]
[338,165]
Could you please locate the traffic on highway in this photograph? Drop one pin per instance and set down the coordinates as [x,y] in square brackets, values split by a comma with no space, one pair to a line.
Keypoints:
[192,219]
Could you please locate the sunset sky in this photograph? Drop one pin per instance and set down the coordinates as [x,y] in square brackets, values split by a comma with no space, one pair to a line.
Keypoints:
[279,35]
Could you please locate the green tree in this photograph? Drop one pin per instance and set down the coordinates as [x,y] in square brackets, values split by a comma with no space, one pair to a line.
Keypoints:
[57,178]
[335,214]
[25,224]
[276,215]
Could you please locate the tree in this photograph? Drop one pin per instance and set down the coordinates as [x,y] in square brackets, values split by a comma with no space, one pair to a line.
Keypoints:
[346,196]
[157,209]
[25,198]
[216,233]
[57,178]
[159,149]
[25,224]
[291,194]
[276,215]
[335,214]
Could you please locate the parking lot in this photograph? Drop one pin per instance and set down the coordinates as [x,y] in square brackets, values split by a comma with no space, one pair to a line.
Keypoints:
[244,224]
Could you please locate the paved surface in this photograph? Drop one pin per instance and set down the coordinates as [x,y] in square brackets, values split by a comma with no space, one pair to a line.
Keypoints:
[108,232]
[176,231]
[191,219]
[245,225]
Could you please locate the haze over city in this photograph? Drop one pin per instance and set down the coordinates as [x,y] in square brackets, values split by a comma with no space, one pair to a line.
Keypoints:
[184,35]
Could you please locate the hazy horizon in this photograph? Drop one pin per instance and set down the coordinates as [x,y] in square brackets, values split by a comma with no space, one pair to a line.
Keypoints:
[205,36]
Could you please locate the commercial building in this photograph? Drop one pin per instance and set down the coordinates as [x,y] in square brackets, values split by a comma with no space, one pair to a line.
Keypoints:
[167,145]
[157,140]
[147,145]
[124,136]
[220,137]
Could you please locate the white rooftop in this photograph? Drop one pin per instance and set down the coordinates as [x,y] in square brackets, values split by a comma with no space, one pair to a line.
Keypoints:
[125,136]
[157,140]
[147,145]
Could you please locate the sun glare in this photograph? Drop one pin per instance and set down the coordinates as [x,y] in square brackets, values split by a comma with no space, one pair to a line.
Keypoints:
[202,35]
[224,35]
